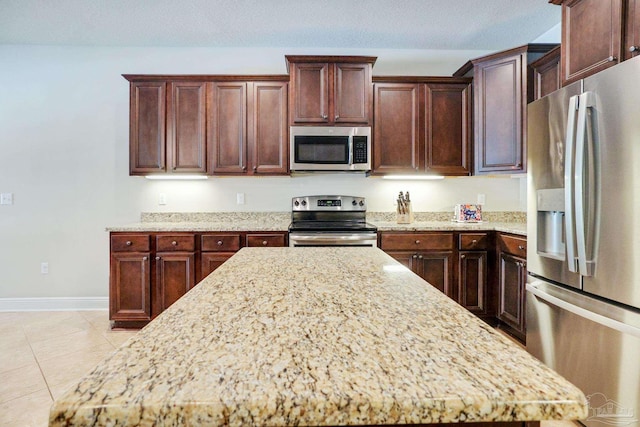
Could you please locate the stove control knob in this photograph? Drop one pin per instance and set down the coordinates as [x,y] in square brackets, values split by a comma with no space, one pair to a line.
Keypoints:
[361,203]
[304,203]
[354,203]
[297,203]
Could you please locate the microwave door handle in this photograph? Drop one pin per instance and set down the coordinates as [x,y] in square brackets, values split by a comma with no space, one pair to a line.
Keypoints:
[350,149]
[569,192]
[583,170]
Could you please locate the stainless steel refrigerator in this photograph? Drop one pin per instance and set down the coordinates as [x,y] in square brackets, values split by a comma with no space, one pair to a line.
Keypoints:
[583,224]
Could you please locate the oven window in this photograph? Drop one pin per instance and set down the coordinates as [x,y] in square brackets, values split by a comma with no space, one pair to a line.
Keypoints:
[322,149]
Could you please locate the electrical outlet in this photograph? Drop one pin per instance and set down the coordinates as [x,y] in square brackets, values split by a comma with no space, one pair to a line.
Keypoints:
[240,198]
[481,199]
[44,268]
[6,199]
[162,199]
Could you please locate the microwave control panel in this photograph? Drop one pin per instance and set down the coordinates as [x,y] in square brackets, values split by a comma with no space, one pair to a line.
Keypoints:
[360,149]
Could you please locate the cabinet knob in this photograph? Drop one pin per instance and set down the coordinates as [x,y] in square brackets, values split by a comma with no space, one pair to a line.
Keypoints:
[144,258]
[174,243]
[417,242]
[463,256]
[420,256]
[337,117]
[324,116]
[255,169]
[634,48]
[157,258]
[219,242]
[244,168]
[128,243]
[612,58]
[265,243]
[414,256]
[474,241]
[521,247]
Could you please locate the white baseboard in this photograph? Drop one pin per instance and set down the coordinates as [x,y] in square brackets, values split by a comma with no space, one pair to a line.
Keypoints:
[54,304]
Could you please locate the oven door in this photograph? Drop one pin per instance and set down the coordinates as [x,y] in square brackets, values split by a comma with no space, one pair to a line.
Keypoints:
[333,239]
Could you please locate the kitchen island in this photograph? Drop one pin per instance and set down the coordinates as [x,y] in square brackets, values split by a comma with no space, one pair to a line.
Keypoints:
[320,336]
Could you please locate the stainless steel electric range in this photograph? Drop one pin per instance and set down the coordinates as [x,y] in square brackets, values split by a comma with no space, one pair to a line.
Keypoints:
[330,221]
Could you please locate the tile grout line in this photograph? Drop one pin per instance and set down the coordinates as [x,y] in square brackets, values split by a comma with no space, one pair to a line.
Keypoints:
[33,353]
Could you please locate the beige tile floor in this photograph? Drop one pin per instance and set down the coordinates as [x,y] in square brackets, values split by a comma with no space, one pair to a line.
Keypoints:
[43,353]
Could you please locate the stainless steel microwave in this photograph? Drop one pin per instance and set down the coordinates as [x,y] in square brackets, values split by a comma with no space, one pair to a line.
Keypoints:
[330,148]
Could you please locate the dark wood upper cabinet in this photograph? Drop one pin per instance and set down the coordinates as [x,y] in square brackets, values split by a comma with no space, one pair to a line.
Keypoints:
[447,128]
[592,37]
[396,128]
[186,127]
[268,133]
[502,87]
[422,125]
[632,29]
[546,73]
[328,90]
[228,127]
[147,127]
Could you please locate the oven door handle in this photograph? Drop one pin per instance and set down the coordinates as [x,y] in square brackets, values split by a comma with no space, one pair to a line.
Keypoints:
[335,239]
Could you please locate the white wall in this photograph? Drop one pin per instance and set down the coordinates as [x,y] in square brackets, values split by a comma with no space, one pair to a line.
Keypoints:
[64,156]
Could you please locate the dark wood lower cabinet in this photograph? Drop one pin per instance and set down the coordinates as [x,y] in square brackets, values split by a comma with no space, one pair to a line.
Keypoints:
[472,282]
[130,287]
[511,288]
[434,267]
[209,261]
[175,275]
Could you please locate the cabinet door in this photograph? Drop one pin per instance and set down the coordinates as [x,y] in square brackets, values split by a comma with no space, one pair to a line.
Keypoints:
[227,124]
[546,73]
[352,93]
[268,130]
[448,121]
[175,275]
[147,127]
[632,30]
[591,37]
[130,287]
[186,127]
[472,281]
[436,268]
[511,291]
[500,89]
[209,261]
[396,134]
[310,92]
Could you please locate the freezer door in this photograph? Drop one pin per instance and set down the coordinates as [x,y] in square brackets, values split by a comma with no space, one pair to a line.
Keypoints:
[546,135]
[612,184]
[592,344]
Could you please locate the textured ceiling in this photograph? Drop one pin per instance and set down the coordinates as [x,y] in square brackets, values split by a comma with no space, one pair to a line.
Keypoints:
[392,24]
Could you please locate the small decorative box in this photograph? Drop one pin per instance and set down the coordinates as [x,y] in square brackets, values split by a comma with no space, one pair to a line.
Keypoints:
[468,213]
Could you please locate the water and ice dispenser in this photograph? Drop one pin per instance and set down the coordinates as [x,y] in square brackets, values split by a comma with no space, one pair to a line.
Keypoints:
[550,207]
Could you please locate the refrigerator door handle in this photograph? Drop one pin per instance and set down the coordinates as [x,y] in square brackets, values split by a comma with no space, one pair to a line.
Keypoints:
[569,191]
[583,170]
[589,315]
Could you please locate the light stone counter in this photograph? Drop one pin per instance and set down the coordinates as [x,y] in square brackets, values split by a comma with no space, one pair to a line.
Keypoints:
[316,336]
[279,221]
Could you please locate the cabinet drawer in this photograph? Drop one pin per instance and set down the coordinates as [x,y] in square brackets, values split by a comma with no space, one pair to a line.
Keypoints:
[220,242]
[265,240]
[172,243]
[130,243]
[513,245]
[474,242]
[413,241]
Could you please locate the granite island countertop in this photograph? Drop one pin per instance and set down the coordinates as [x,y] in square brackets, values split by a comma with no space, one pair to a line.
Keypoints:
[321,336]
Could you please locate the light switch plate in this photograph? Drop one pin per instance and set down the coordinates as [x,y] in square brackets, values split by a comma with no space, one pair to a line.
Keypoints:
[6,199]
[162,199]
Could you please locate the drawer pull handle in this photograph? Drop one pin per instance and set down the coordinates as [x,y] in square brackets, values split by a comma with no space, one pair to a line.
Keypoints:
[417,242]
[265,243]
[174,243]
[521,247]
[219,242]
[128,243]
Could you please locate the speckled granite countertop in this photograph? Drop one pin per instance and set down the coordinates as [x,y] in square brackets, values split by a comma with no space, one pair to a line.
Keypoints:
[279,221]
[288,336]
